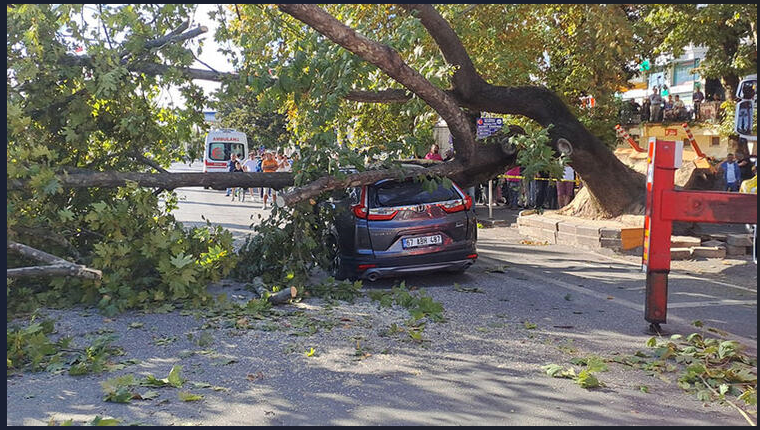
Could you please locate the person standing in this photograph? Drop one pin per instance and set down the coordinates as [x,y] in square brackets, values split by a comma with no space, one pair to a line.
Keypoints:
[513,184]
[250,165]
[238,169]
[231,168]
[731,173]
[655,105]
[434,153]
[697,98]
[268,165]
[645,109]
[745,166]
[565,187]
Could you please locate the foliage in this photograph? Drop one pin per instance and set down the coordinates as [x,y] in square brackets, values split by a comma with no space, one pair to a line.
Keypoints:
[146,256]
[286,246]
[330,289]
[419,305]
[31,348]
[64,115]
[585,378]
[710,368]
[725,29]
[536,156]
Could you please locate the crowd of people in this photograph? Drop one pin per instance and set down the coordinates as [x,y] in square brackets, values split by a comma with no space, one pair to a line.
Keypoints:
[261,161]
[540,192]
[655,108]
[737,168]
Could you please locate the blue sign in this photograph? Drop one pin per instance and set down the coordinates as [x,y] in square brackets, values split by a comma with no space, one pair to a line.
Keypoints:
[488,126]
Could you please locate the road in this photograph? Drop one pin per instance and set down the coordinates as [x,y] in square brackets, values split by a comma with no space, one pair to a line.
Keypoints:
[723,293]
[520,307]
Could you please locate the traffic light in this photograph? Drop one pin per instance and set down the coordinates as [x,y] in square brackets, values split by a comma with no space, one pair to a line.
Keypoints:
[644,66]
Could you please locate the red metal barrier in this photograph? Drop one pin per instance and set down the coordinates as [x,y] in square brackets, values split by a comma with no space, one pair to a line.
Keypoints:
[665,205]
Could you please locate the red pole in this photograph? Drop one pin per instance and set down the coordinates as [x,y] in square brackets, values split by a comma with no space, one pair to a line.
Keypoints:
[693,140]
[656,258]
[628,138]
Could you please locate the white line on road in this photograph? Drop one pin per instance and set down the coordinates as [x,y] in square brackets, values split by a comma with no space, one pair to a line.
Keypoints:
[625,303]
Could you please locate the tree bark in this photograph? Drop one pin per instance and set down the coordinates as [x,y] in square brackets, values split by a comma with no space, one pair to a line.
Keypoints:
[54,270]
[58,266]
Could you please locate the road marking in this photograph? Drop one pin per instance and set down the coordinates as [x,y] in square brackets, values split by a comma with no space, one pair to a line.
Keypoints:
[726,302]
[677,274]
[625,303]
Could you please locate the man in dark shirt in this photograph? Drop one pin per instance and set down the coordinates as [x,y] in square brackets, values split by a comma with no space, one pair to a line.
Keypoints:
[231,168]
[745,166]
[697,98]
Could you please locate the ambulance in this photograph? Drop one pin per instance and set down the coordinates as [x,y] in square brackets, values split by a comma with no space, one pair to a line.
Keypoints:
[220,145]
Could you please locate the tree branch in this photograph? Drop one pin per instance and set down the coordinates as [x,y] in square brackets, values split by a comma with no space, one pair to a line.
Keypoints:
[147,161]
[389,61]
[466,79]
[58,266]
[167,181]
[54,270]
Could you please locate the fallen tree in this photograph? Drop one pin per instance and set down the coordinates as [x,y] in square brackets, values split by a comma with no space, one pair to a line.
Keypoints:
[612,188]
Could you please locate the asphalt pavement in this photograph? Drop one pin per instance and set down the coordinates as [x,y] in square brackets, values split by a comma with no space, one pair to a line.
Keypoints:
[520,307]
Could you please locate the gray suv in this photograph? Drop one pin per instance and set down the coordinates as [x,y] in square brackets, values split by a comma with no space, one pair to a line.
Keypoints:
[392,228]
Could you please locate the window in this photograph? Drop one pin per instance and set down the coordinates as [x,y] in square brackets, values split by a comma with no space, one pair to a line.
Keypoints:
[715,141]
[220,151]
[394,193]
[681,72]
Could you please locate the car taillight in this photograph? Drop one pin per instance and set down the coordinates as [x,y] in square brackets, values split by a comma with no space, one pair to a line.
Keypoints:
[381,214]
[467,198]
[472,256]
[453,206]
[360,211]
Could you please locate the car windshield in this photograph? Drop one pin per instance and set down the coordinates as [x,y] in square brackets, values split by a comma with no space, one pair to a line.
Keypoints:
[409,193]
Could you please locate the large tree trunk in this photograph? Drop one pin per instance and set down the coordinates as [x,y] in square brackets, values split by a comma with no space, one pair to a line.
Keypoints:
[613,187]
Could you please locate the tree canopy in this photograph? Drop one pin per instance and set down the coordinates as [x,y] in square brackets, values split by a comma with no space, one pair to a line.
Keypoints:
[351,84]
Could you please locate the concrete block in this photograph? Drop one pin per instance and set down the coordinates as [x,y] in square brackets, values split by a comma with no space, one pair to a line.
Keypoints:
[718,236]
[737,250]
[567,227]
[611,233]
[713,243]
[587,230]
[684,241]
[739,239]
[565,238]
[709,251]
[633,220]
[612,243]
[680,253]
[538,222]
[538,233]
[588,241]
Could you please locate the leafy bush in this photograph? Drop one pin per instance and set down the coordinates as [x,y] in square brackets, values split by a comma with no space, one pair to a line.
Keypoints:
[146,256]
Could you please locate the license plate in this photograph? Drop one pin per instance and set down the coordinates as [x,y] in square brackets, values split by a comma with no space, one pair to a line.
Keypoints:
[414,242]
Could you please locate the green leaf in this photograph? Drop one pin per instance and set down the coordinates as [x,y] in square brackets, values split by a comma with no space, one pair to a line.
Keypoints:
[149,395]
[189,397]
[587,380]
[174,379]
[98,421]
